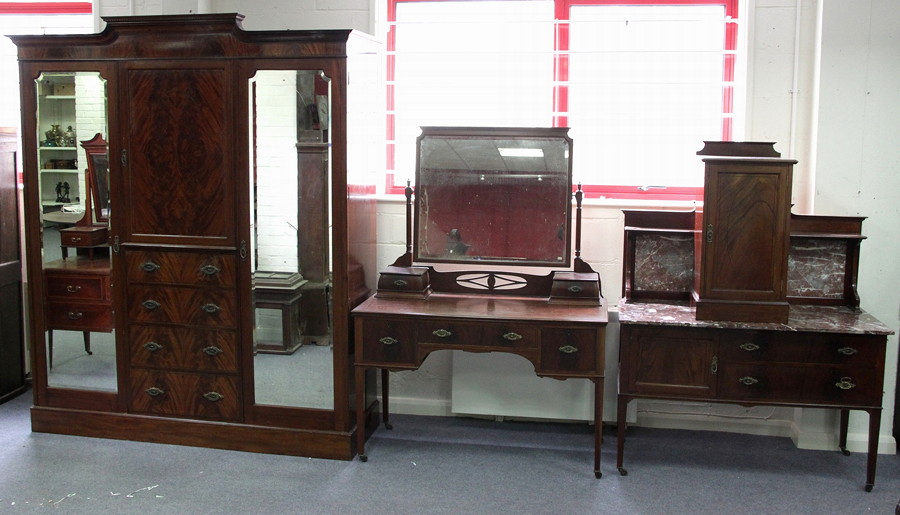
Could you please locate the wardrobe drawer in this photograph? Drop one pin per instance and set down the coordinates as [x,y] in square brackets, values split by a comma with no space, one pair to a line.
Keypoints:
[569,350]
[202,350]
[183,268]
[788,347]
[75,316]
[208,307]
[68,286]
[207,396]
[799,384]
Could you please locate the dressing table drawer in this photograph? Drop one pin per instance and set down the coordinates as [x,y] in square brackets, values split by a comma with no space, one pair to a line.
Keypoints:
[387,341]
[68,286]
[201,350]
[206,396]
[75,316]
[568,350]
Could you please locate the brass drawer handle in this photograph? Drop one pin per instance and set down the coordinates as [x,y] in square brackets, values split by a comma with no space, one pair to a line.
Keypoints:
[847,351]
[73,289]
[152,346]
[210,269]
[400,283]
[75,315]
[151,304]
[511,336]
[442,333]
[75,239]
[568,349]
[149,266]
[212,309]
[845,383]
[154,391]
[212,351]
[213,396]
[748,381]
[575,289]
[749,347]
[387,340]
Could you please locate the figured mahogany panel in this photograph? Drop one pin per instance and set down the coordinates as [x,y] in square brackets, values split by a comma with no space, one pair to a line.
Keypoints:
[187,268]
[208,307]
[180,184]
[205,350]
[182,394]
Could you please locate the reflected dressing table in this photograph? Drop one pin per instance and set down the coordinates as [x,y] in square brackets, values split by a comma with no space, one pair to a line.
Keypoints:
[556,321]
[78,296]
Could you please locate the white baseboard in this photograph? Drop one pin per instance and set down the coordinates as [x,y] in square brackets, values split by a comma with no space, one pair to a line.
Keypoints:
[418,406]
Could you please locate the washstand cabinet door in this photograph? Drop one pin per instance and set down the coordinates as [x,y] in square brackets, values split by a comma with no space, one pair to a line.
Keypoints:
[662,362]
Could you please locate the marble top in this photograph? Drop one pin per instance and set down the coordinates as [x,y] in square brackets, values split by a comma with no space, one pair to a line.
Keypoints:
[831,319]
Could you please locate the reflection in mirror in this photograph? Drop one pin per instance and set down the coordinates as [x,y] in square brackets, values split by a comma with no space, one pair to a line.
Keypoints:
[290,258]
[493,195]
[80,343]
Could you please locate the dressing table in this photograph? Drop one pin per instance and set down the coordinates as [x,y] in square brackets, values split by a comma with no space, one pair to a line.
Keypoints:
[487,196]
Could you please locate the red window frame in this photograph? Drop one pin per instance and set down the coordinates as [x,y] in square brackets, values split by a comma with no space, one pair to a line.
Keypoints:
[562,9]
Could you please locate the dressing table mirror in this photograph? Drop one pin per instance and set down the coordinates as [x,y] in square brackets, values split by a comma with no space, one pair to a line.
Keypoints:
[487,197]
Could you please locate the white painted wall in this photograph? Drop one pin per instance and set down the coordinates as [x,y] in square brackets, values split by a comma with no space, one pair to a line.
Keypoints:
[833,106]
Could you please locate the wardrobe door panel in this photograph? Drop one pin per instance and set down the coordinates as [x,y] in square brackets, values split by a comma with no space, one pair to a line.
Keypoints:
[180,178]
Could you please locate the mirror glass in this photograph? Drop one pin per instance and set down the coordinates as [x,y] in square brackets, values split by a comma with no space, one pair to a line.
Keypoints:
[80,342]
[493,195]
[291,256]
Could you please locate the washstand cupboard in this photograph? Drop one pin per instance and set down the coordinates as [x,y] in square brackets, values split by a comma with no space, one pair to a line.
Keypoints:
[235,174]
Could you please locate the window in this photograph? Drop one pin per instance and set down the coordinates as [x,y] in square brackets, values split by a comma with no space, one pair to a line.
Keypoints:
[640,85]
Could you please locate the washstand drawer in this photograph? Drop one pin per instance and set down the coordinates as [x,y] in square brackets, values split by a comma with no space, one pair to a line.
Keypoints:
[387,341]
[789,347]
[206,396]
[799,384]
[202,350]
[79,317]
[76,286]
[185,268]
[208,307]
[570,350]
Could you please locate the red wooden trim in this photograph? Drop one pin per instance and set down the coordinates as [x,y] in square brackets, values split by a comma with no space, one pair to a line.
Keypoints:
[46,8]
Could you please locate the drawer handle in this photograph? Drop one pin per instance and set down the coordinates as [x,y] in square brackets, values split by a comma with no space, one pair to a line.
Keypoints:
[76,239]
[442,333]
[213,396]
[76,289]
[511,336]
[152,346]
[149,266]
[154,391]
[845,383]
[748,381]
[568,349]
[73,315]
[212,351]
[847,351]
[400,283]
[575,289]
[387,340]
[151,304]
[749,347]
[209,269]
[212,309]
